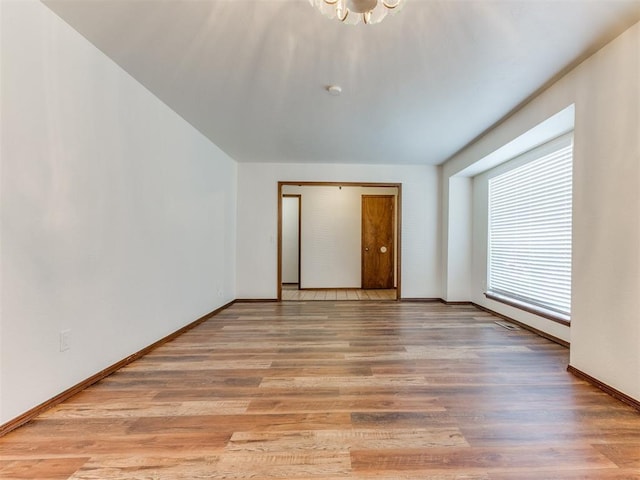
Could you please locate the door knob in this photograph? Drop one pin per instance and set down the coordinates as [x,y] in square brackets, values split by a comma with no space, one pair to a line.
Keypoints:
[383,249]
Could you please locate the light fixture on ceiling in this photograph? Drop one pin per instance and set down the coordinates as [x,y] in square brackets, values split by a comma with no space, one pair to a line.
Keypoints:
[356,11]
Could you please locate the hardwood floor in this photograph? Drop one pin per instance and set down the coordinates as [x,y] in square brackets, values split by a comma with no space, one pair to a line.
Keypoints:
[291,292]
[337,390]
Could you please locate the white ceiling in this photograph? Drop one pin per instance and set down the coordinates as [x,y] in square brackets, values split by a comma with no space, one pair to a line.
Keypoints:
[250,74]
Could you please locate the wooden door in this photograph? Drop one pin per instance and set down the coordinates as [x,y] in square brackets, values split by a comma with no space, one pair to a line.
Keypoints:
[378,252]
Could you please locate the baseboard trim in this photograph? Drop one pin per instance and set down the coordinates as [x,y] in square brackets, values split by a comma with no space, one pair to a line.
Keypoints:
[255,300]
[70,392]
[446,302]
[540,333]
[421,300]
[617,394]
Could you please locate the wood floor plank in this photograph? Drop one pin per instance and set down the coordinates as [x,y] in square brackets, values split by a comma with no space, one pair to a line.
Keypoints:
[230,423]
[353,381]
[129,409]
[42,469]
[344,403]
[484,459]
[132,444]
[283,465]
[592,474]
[625,455]
[337,390]
[345,440]
[147,468]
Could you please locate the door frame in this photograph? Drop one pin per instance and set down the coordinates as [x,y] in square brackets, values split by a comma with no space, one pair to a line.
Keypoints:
[398,224]
[394,231]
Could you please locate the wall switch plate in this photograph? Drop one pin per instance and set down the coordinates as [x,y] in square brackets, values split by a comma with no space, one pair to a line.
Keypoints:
[65,337]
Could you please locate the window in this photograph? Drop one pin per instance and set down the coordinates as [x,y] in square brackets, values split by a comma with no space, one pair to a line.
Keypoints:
[530,231]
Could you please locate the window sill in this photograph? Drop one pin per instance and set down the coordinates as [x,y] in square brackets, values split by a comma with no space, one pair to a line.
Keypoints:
[542,312]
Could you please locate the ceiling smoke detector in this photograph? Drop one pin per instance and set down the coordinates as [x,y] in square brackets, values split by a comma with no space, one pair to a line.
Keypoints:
[334,90]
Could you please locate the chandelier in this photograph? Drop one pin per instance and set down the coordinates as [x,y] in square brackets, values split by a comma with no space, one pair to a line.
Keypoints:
[356,11]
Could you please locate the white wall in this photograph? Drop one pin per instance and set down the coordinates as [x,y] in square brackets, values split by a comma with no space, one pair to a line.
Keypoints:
[459,229]
[332,234]
[258,215]
[605,327]
[290,239]
[118,218]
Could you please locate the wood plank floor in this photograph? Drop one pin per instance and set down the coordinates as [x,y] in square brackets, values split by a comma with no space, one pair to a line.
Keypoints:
[291,292]
[337,390]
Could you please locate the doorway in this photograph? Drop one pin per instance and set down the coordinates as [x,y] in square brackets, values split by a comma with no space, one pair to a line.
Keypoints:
[291,228]
[332,266]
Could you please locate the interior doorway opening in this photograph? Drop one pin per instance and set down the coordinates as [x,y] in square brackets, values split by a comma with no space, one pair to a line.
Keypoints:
[291,248]
[339,241]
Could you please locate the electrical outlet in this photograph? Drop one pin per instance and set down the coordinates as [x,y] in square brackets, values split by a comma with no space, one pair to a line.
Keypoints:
[65,337]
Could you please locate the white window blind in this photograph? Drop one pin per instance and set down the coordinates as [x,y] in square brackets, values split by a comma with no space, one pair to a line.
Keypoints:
[530,230]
